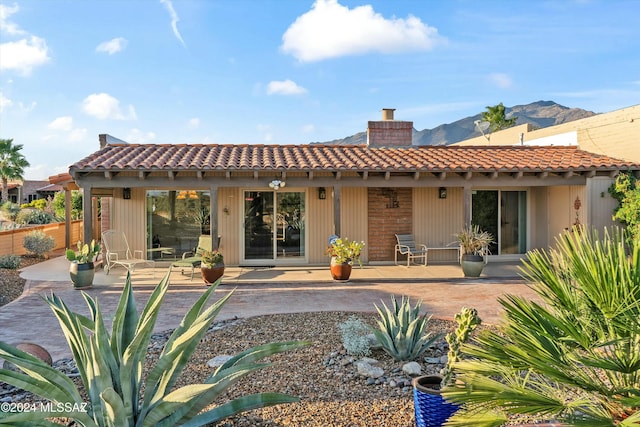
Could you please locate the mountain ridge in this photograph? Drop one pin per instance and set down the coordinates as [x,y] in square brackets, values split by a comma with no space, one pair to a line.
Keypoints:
[539,114]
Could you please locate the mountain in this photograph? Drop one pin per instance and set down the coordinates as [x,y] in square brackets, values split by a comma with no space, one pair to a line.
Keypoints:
[539,114]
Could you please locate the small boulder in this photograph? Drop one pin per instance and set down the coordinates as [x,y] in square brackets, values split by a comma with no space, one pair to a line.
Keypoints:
[412,369]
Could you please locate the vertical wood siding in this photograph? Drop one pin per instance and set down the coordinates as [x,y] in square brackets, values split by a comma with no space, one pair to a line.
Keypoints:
[354,218]
[319,225]
[130,217]
[435,220]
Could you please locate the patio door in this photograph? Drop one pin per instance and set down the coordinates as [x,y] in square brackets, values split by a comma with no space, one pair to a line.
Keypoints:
[503,214]
[274,227]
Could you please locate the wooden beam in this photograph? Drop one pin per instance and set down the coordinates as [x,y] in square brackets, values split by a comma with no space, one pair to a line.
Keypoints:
[108,175]
[171,175]
[494,175]
[228,175]
[614,173]
[543,175]
[387,175]
[518,175]
[255,174]
[142,175]
[591,173]
[416,176]
[568,174]
[468,175]
[200,175]
[365,175]
[310,175]
[338,175]
[442,176]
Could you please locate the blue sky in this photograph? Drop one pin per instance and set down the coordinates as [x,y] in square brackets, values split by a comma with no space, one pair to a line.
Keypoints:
[294,71]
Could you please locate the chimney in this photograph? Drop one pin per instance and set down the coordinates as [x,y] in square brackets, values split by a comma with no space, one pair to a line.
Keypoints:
[389,132]
[103,140]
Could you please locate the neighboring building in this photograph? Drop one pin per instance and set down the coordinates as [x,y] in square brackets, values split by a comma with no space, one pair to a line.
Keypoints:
[278,204]
[27,191]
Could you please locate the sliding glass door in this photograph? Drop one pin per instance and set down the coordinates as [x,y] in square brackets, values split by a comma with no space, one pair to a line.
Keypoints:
[274,226]
[503,214]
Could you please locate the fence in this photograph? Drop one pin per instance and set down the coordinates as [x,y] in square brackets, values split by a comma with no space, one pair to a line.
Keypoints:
[11,241]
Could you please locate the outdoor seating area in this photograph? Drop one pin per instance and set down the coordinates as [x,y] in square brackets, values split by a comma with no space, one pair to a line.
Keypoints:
[407,246]
[118,253]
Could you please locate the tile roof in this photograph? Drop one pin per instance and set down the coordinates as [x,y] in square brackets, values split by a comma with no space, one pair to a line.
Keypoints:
[183,157]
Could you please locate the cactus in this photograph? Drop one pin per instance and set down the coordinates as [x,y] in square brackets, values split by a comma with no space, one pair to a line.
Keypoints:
[467,320]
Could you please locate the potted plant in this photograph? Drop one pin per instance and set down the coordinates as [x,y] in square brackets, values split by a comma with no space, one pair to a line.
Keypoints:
[474,247]
[212,266]
[343,253]
[82,269]
[431,409]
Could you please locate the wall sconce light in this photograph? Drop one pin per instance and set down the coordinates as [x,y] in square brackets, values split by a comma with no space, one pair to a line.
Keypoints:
[276,184]
[442,193]
[126,193]
[322,193]
[226,210]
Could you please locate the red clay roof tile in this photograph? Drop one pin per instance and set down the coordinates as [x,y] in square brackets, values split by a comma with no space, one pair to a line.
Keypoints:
[118,157]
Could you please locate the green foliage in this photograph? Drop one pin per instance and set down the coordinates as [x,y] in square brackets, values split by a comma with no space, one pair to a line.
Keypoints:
[354,336]
[111,368]
[573,353]
[85,253]
[11,262]
[34,216]
[402,330]
[473,241]
[38,243]
[345,251]
[211,258]
[497,118]
[467,320]
[12,165]
[59,204]
[10,210]
[626,190]
[37,203]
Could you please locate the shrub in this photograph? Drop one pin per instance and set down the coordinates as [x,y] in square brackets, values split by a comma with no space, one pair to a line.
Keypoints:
[11,262]
[111,368]
[38,243]
[571,355]
[402,330]
[354,336]
[34,216]
[10,210]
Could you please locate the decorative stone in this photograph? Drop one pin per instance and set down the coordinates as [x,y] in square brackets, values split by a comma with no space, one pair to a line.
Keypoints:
[412,368]
[218,360]
[34,350]
[369,371]
[369,360]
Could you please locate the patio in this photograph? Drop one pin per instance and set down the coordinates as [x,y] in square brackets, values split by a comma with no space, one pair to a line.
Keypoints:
[258,291]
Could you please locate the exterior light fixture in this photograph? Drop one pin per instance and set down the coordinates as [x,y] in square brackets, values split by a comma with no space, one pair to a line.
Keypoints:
[442,193]
[276,184]
[322,193]
[126,193]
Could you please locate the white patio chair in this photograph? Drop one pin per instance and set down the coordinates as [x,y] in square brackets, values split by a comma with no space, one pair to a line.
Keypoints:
[407,246]
[117,252]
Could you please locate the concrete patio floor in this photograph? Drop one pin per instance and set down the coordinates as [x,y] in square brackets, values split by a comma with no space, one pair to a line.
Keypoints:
[258,291]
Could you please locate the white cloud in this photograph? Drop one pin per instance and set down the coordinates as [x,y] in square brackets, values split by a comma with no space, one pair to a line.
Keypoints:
[112,46]
[104,106]
[174,20]
[285,87]
[331,30]
[308,128]
[64,123]
[77,135]
[4,102]
[503,81]
[136,136]
[193,123]
[24,54]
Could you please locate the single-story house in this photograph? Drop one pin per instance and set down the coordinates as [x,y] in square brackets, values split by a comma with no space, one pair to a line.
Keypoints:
[278,204]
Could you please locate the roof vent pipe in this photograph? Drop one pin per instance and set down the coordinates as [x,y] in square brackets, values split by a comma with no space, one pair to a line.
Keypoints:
[387,113]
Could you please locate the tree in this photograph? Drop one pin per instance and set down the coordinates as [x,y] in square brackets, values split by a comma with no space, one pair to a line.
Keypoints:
[12,164]
[497,119]
[626,190]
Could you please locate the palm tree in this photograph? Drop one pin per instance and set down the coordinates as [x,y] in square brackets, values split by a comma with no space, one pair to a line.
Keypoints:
[12,164]
[497,118]
[575,357]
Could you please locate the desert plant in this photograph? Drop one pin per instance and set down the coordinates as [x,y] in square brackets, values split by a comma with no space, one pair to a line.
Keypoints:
[34,216]
[467,321]
[626,190]
[11,262]
[84,254]
[402,330]
[111,368]
[473,241]
[10,210]
[354,336]
[573,355]
[211,258]
[38,243]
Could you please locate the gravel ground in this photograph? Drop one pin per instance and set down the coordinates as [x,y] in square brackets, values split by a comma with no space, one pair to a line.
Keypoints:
[11,284]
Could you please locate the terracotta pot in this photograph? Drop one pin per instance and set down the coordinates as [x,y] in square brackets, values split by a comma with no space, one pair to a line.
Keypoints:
[211,274]
[340,271]
[81,274]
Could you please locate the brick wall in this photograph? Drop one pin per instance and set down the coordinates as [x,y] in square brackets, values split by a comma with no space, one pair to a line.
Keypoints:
[390,213]
[390,133]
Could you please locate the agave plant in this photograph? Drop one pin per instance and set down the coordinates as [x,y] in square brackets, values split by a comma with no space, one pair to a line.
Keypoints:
[402,330]
[575,357]
[111,366]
